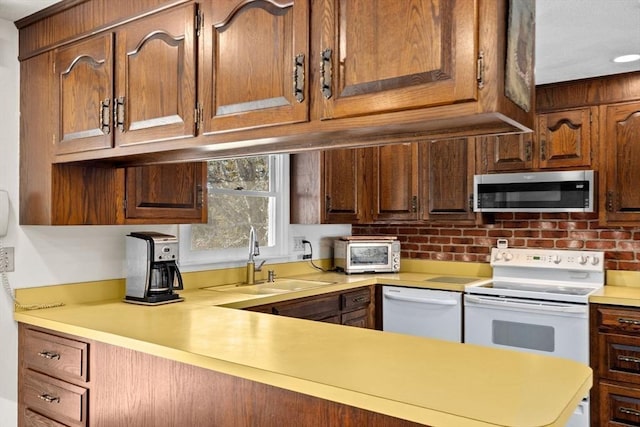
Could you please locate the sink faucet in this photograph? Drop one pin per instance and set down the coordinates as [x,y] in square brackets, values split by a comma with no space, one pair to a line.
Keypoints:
[254,250]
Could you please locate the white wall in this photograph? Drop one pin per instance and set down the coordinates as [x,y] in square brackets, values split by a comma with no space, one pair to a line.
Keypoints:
[55,255]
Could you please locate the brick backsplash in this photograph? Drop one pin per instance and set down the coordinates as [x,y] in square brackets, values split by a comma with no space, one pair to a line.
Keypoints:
[455,242]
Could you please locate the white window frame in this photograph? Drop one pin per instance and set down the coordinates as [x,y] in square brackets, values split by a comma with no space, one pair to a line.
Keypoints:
[194,260]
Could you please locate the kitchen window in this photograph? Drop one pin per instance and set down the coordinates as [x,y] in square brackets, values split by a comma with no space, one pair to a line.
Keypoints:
[242,192]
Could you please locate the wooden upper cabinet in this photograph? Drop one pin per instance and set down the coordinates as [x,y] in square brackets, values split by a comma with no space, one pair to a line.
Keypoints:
[254,68]
[173,193]
[139,89]
[395,182]
[447,181]
[619,171]
[391,55]
[156,78]
[84,92]
[504,153]
[565,138]
[343,174]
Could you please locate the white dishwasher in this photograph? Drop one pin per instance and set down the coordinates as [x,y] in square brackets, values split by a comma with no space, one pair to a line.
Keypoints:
[422,312]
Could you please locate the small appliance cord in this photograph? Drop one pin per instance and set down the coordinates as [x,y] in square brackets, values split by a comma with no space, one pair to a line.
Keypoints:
[5,284]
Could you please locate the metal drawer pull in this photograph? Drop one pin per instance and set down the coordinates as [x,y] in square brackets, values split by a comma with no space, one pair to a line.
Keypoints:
[49,399]
[629,359]
[49,355]
[628,321]
[629,411]
[359,299]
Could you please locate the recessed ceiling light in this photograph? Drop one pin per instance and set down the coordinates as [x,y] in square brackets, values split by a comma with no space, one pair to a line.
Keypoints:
[627,58]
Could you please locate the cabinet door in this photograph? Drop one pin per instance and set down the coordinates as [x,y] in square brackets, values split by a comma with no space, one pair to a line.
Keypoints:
[171,193]
[619,172]
[504,153]
[156,81]
[391,55]
[395,182]
[447,182]
[564,138]
[343,174]
[84,73]
[255,64]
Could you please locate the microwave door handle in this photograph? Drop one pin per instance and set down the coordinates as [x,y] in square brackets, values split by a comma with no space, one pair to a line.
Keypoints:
[432,301]
[528,306]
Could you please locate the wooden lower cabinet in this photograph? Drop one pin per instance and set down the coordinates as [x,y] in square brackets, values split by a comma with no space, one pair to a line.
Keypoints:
[350,308]
[615,359]
[129,388]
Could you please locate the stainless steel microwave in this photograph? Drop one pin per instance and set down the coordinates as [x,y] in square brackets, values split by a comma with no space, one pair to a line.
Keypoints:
[366,254]
[562,191]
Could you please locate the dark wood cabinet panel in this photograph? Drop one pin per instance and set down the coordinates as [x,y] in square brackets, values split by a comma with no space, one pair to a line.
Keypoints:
[565,138]
[395,182]
[250,50]
[84,93]
[506,153]
[156,78]
[615,360]
[343,174]
[351,308]
[167,193]
[139,89]
[422,53]
[448,167]
[620,157]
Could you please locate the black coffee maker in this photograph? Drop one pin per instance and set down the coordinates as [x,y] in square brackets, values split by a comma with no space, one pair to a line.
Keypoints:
[152,271]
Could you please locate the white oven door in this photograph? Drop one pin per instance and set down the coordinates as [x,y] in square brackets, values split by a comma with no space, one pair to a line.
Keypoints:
[549,328]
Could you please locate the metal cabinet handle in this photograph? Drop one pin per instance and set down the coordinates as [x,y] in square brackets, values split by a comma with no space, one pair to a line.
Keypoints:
[543,149]
[629,411]
[359,299]
[298,77]
[326,72]
[49,355]
[105,118]
[624,321]
[118,113]
[628,359]
[609,201]
[527,151]
[49,399]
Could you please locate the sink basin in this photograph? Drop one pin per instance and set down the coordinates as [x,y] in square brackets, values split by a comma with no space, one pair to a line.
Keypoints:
[269,288]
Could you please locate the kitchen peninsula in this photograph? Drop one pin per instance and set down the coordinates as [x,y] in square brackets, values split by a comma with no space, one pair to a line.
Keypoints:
[201,362]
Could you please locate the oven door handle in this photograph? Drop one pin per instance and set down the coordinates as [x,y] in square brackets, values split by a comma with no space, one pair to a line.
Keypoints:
[433,301]
[529,306]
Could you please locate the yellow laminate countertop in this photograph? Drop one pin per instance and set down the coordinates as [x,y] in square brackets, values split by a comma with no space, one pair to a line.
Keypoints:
[422,380]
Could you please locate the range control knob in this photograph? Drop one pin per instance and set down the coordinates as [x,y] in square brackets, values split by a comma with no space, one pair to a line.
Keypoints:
[556,259]
[498,256]
[595,260]
[582,260]
[508,256]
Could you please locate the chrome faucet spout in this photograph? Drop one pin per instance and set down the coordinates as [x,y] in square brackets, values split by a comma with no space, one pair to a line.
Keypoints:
[254,250]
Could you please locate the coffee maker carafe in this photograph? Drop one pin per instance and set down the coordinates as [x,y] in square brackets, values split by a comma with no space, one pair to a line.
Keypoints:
[152,271]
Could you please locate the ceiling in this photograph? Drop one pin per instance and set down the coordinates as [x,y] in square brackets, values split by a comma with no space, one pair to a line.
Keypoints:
[575,39]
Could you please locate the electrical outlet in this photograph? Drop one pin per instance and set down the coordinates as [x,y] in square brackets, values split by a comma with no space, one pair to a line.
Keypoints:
[7,264]
[298,246]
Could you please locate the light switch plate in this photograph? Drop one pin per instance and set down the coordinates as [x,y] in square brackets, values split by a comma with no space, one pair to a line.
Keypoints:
[7,262]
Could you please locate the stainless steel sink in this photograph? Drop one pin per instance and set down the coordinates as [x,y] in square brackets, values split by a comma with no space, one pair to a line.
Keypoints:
[268,288]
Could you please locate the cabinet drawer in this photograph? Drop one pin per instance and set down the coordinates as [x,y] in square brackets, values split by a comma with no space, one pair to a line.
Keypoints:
[56,356]
[620,320]
[55,398]
[619,406]
[619,357]
[356,318]
[32,419]
[355,299]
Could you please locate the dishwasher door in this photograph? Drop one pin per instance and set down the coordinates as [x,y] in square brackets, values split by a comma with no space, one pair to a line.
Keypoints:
[422,312]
